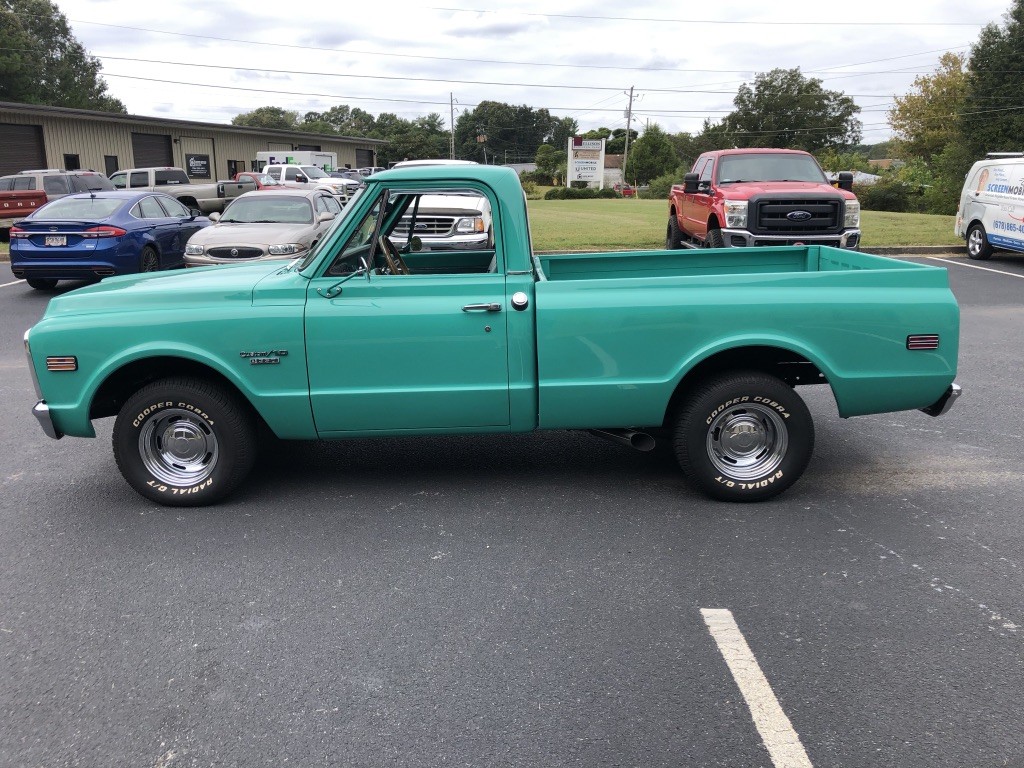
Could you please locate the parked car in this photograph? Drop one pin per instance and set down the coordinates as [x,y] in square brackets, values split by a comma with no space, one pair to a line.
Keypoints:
[989,213]
[260,180]
[95,235]
[353,180]
[206,196]
[369,171]
[55,183]
[307,177]
[261,225]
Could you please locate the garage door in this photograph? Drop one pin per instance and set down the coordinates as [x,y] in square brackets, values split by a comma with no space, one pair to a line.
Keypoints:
[21,148]
[151,150]
[364,158]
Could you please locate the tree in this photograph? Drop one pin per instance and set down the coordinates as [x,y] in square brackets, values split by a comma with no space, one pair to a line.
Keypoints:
[43,63]
[495,132]
[551,160]
[651,156]
[992,119]
[787,110]
[341,120]
[268,117]
[561,131]
[925,120]
[417,139]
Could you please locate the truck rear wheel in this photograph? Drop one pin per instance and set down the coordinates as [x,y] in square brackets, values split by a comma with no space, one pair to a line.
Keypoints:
[673,237]
[977,243]
[184,442]
[743,436]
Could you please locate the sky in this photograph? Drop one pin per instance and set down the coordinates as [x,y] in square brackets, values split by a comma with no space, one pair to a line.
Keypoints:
[210,61]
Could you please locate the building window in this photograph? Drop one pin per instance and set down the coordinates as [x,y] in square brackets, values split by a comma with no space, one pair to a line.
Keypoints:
[72,163]
[110,166]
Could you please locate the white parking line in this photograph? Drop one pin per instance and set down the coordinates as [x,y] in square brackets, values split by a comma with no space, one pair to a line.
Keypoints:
[776,731]
[975,266]
[16,282]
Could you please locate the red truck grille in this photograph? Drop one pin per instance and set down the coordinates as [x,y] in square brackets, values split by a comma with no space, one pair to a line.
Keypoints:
[795,216]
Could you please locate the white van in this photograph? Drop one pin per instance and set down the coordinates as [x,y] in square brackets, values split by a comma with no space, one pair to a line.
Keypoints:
[991,211]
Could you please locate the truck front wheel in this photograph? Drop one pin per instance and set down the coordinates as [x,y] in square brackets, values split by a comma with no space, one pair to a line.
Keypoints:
[977,243]
[743,436]
[184,442]
[714,239]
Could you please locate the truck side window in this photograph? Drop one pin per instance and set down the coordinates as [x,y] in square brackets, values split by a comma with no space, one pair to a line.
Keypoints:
[705,174]
[139,179]
[55,185]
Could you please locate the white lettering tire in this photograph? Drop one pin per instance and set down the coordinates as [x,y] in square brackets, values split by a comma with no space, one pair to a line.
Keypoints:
[184,442]
[743,436]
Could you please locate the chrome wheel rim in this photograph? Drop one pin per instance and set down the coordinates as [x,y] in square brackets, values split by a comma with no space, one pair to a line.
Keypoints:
[974,242]
[747,442]
[177,448]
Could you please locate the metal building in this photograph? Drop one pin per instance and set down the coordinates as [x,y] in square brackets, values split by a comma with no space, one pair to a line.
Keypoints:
[33,136]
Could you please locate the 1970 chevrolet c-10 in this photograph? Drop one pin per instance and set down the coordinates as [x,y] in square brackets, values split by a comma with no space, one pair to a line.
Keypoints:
[365,336]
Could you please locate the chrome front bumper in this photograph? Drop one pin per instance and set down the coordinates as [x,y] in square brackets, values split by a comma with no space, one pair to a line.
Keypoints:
[944,403]
[42,413]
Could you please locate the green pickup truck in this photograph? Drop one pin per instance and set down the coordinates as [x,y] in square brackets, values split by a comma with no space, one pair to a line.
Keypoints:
[370,334]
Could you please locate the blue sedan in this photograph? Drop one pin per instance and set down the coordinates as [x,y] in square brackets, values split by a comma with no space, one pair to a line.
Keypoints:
[94,235]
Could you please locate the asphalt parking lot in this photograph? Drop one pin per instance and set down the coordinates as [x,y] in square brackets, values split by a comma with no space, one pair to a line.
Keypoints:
[547,600]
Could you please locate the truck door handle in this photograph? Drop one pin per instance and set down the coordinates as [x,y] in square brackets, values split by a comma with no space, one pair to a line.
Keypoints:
[495,307]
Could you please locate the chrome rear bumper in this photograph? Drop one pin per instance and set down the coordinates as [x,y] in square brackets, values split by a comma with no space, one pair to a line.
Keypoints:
[944,403]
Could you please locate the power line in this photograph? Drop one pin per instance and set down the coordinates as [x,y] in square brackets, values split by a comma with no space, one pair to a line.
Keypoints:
[726,22]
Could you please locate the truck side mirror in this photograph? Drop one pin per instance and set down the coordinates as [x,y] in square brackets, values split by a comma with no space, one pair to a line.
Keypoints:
[690,183]
[846,181]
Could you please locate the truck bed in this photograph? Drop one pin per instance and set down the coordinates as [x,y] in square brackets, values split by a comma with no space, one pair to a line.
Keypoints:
[721,261]
[620,329]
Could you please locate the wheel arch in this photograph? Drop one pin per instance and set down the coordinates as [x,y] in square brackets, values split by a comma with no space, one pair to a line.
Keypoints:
[794,367]
[123,381]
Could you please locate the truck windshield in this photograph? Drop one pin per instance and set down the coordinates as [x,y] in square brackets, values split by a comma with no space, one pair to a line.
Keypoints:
[733,169]
[312,172]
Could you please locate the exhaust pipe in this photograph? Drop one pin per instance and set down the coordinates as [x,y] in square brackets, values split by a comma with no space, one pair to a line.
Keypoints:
[638,441]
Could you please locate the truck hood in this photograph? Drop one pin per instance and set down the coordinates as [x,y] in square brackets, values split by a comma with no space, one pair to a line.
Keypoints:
[228,233]
[745,190]
[157,290]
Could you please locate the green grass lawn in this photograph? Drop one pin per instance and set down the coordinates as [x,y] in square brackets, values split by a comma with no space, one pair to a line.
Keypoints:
[608,225]
[625,224]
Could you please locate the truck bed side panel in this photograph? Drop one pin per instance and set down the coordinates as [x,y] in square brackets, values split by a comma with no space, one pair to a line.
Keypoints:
[620,345]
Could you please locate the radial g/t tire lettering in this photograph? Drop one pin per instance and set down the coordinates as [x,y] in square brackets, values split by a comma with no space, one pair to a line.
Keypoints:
[743,436]
[184,442]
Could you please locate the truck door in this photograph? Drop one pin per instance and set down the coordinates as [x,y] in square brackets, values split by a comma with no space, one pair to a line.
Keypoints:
[697,207]
[406,352]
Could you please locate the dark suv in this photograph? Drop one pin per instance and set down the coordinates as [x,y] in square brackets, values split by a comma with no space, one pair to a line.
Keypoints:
[55,182]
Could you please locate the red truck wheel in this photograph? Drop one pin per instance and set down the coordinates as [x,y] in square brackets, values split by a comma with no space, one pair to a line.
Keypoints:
[714,239]
[673,237]
[743,436]
[184,442]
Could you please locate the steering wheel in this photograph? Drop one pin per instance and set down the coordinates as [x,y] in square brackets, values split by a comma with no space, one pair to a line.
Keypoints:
[396,265]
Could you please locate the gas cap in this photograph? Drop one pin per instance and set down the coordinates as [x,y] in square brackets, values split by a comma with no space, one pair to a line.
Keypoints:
[520,301]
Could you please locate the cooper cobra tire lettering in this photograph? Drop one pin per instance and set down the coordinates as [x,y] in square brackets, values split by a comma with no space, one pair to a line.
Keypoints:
[742,436]
[185,441]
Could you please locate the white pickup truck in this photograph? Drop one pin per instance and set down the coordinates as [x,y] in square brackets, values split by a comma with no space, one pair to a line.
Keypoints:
[309,176]
[207,198]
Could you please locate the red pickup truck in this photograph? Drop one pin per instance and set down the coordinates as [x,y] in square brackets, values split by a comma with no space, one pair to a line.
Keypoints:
[16,204]
[751,197]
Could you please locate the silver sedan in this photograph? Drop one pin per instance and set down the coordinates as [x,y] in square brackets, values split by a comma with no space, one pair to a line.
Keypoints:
[264,225]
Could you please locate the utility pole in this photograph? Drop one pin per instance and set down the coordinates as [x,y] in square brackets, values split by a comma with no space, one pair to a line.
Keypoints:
[629,120]
[451,144]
